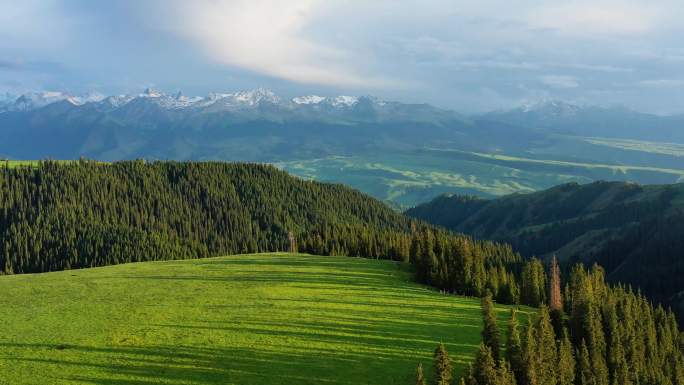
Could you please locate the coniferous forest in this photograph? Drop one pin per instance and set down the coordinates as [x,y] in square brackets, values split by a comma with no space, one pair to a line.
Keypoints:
[84,214]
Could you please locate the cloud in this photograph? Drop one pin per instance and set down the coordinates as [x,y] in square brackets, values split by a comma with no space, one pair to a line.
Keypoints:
[560,81]
[597,17]
[270,37]
[662,83]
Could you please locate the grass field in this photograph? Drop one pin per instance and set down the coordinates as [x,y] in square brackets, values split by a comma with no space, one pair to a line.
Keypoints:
[19,163]
[411,177]
[254,319]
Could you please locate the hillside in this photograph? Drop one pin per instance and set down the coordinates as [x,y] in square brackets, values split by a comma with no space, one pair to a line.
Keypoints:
[70,215]
[251,319]
[633,231]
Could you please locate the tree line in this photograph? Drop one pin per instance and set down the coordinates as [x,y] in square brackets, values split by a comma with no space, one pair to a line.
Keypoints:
[58,216]
[590,333]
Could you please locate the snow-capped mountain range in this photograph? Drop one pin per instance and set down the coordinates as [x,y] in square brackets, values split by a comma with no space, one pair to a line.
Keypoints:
[241,99]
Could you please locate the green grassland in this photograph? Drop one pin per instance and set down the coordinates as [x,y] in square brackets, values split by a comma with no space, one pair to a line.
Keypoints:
[19,163]
[252,319]
[408,178]
[27,163]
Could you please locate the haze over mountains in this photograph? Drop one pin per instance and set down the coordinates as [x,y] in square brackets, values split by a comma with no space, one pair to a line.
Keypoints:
[402,153]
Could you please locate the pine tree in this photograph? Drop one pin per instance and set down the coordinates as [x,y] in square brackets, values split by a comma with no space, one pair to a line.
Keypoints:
[490,333]
[584,372]
[566,362]
[533,283]
[513,346]
[546,364]
[443,367]
[420,377]
[484,370]
[529,356]
[555,299]
[505,375]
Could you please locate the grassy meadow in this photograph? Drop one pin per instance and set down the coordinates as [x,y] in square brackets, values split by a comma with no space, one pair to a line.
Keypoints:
[408,178]
[251,319]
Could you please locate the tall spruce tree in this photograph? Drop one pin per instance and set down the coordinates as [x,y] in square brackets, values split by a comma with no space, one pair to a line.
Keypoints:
[546,364]
[514,346]
[566,362]
[484,370]
[529,355]
[443,367]
[490,332]
[505,375]
[584,371]
[533,283]
[555,297]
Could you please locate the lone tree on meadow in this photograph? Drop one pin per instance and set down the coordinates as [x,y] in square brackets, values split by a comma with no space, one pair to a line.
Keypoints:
[443,368]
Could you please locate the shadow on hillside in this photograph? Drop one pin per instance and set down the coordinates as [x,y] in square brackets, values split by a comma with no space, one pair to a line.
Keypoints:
[361,333]
[192,365]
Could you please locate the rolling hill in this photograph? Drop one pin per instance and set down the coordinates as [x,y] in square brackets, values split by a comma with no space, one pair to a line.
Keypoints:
[633,231]
[250,319]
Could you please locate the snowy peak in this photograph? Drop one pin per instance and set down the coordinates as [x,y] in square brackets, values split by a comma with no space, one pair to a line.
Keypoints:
[308,99]
[217,101]
[336,101]
[551,108]
[343,100]
[33,100]
[257,96]
[151,93]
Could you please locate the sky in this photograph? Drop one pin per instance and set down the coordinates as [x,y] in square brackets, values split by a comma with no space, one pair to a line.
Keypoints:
[470,56]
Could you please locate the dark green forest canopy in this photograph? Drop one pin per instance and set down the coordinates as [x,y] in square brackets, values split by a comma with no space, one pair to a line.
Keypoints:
[56,216]
[633,231]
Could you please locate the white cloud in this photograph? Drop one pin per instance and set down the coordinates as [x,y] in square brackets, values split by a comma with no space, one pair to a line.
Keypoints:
[559,81]
[662,83]
[269,37]
[597,17]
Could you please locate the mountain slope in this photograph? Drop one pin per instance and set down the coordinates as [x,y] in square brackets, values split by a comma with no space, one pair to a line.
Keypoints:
[250,319]
[83,214]
[633,231]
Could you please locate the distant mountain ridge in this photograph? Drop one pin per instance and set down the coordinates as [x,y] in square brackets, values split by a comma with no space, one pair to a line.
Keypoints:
[241,99]
[614,122]
[398,152]
[254,125]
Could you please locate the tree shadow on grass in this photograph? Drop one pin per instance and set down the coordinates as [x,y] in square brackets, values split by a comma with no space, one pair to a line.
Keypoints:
[193,365]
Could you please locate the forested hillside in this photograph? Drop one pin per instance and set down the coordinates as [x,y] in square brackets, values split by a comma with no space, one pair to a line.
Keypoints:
[633,231]
[57,216]
[590,333]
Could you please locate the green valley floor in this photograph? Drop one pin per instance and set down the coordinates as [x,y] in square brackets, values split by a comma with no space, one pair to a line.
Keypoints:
[249,319]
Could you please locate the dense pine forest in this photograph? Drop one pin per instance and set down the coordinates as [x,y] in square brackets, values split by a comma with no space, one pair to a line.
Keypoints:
[59,216]
[64,216]
[634,232]
[591,334]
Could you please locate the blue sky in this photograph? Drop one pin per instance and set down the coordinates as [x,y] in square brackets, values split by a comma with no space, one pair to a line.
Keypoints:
[466,55]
